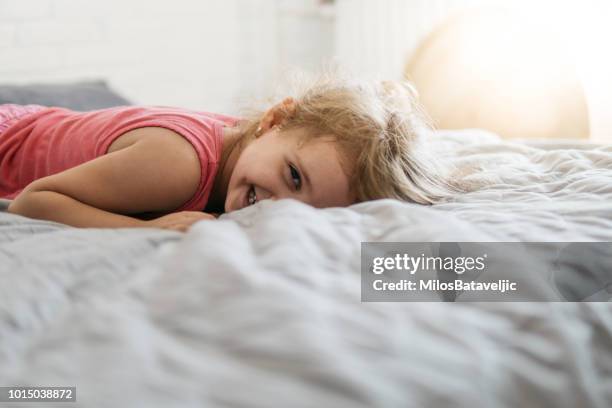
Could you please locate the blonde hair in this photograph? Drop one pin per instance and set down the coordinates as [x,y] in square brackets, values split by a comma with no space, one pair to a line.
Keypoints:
[380,131]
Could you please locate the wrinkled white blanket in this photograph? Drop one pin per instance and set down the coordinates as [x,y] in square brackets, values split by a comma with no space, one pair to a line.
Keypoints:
[262,307]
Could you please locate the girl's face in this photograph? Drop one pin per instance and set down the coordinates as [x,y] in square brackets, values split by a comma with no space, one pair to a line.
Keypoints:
[276,165]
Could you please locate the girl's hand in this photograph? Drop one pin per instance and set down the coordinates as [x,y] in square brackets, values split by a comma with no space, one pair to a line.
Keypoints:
[179,221]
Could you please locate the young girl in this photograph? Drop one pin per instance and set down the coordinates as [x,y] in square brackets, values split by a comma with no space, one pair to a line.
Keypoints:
[334,144]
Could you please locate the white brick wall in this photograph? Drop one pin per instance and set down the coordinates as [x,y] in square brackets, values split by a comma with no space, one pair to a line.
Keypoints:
[18,11]
[202,54]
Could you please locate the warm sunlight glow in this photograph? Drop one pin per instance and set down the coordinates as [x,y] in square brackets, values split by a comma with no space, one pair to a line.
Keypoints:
[522,71]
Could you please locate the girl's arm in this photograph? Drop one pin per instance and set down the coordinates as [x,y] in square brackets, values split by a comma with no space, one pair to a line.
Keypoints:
[155,174]
[53,206]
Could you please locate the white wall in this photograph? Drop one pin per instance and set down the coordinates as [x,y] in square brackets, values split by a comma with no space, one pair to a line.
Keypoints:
[202,54]
[217,54]
[375,38]
[277,35]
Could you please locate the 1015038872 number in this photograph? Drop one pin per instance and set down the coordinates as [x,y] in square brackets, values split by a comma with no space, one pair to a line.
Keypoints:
[51,394]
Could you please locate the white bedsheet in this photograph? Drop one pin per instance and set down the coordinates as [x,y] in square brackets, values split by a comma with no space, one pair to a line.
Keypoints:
[262,307]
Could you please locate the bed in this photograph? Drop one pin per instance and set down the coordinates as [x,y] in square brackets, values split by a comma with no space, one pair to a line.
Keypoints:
[262,307]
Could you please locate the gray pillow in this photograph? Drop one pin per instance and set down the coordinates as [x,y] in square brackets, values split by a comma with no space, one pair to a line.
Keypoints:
[80,96]
[4,203]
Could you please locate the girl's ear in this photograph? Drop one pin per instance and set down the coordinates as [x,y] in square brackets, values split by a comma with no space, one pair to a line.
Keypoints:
[276,115]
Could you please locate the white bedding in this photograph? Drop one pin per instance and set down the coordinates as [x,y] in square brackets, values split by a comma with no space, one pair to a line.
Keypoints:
[262,307]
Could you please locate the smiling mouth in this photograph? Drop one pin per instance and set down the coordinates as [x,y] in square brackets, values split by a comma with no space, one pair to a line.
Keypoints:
[251,196]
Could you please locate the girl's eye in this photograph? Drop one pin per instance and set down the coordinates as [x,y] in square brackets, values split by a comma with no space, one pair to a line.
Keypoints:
[295,176]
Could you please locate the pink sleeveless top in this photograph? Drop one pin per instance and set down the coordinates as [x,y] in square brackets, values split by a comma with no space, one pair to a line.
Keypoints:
[45,141]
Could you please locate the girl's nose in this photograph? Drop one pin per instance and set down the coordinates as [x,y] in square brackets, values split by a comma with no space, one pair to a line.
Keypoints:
[282,195]
[263,194]
[277,193]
